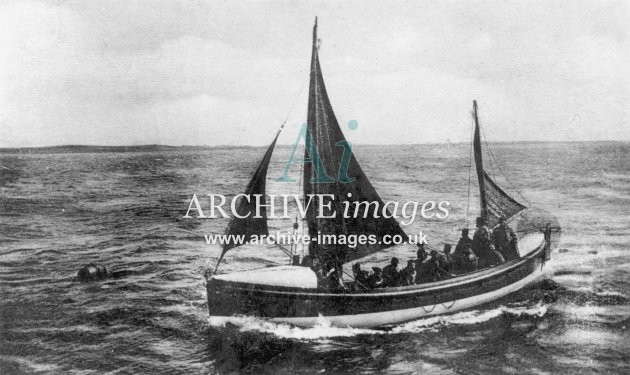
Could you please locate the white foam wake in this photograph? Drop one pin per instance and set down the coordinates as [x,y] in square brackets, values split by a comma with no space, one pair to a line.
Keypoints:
[468,318]
[323,328]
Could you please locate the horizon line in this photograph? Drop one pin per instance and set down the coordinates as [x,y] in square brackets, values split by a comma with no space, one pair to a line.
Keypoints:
[156,145]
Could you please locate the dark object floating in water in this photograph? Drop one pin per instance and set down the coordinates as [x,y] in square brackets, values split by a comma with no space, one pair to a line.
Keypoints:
[92,272]
[592,252]
[563,250]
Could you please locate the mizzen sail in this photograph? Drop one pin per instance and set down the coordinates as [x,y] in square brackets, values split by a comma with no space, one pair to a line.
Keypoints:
[329,143]
[495,203]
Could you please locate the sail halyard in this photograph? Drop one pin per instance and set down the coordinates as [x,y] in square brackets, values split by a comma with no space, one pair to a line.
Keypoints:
[368,219]
[495,203]
[479,163]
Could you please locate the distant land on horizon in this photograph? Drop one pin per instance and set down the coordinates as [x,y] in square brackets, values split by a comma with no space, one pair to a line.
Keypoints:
[89,148]
[156,148]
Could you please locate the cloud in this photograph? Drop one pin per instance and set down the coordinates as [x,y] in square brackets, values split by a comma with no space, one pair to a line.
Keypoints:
[228,73]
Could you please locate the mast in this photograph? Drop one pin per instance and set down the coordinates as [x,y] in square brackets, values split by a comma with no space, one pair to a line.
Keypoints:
[479,164]
[495,203]
[325,138]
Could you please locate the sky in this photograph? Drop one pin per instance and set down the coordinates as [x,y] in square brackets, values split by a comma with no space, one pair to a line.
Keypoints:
[229,73]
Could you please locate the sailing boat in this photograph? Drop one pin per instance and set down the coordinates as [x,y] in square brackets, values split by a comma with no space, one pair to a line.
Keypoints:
[291,294]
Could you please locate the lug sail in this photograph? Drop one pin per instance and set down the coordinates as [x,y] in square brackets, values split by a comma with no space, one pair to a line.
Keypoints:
[329,143]
[250,225]
[495,203]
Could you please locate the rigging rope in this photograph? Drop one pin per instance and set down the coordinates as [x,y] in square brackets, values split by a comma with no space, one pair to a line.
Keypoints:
[297,99]
[483,134]
[258,176]
[472,134]
[285,121]
[501,171]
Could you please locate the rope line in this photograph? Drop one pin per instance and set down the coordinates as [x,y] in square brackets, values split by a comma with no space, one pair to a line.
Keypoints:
[501,170]
[434,305]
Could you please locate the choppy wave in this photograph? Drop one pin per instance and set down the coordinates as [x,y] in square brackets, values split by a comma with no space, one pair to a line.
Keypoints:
[124,210]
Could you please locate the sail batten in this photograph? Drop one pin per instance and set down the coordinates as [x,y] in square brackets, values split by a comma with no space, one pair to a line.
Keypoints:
[327,137]
[495,203]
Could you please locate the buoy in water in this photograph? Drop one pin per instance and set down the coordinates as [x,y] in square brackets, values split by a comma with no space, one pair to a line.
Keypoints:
[92,272]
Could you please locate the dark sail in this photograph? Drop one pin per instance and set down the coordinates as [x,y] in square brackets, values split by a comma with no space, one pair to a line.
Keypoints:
[250,225]
[328,141]
[495,203]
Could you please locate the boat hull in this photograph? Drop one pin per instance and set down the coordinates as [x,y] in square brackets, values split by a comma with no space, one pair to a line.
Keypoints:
[379,307]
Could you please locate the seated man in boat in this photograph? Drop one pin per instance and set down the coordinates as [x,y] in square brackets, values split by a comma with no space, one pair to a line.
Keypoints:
[360,276]
[495,257]
[505,241]
[464,241]
[408,274]
[390,274]
[375,280]
[442,265]
[481,245]
[426,270]
[421,254]
[426,267]
[335,281]
[463,259]
[333,267]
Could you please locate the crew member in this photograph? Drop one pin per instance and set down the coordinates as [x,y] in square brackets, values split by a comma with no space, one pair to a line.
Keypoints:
[390,273]
[440,265]
[375,280]
[505,241]
[463,258]
[360,276]
[481,244]
[427,271]
[407,275]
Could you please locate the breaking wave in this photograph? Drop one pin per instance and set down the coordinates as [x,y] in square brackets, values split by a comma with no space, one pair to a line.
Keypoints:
[323,328]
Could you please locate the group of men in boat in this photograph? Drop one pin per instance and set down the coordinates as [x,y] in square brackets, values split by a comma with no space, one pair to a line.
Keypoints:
[487,248]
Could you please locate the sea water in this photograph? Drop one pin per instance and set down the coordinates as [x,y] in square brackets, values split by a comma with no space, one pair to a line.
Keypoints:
[124,210]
